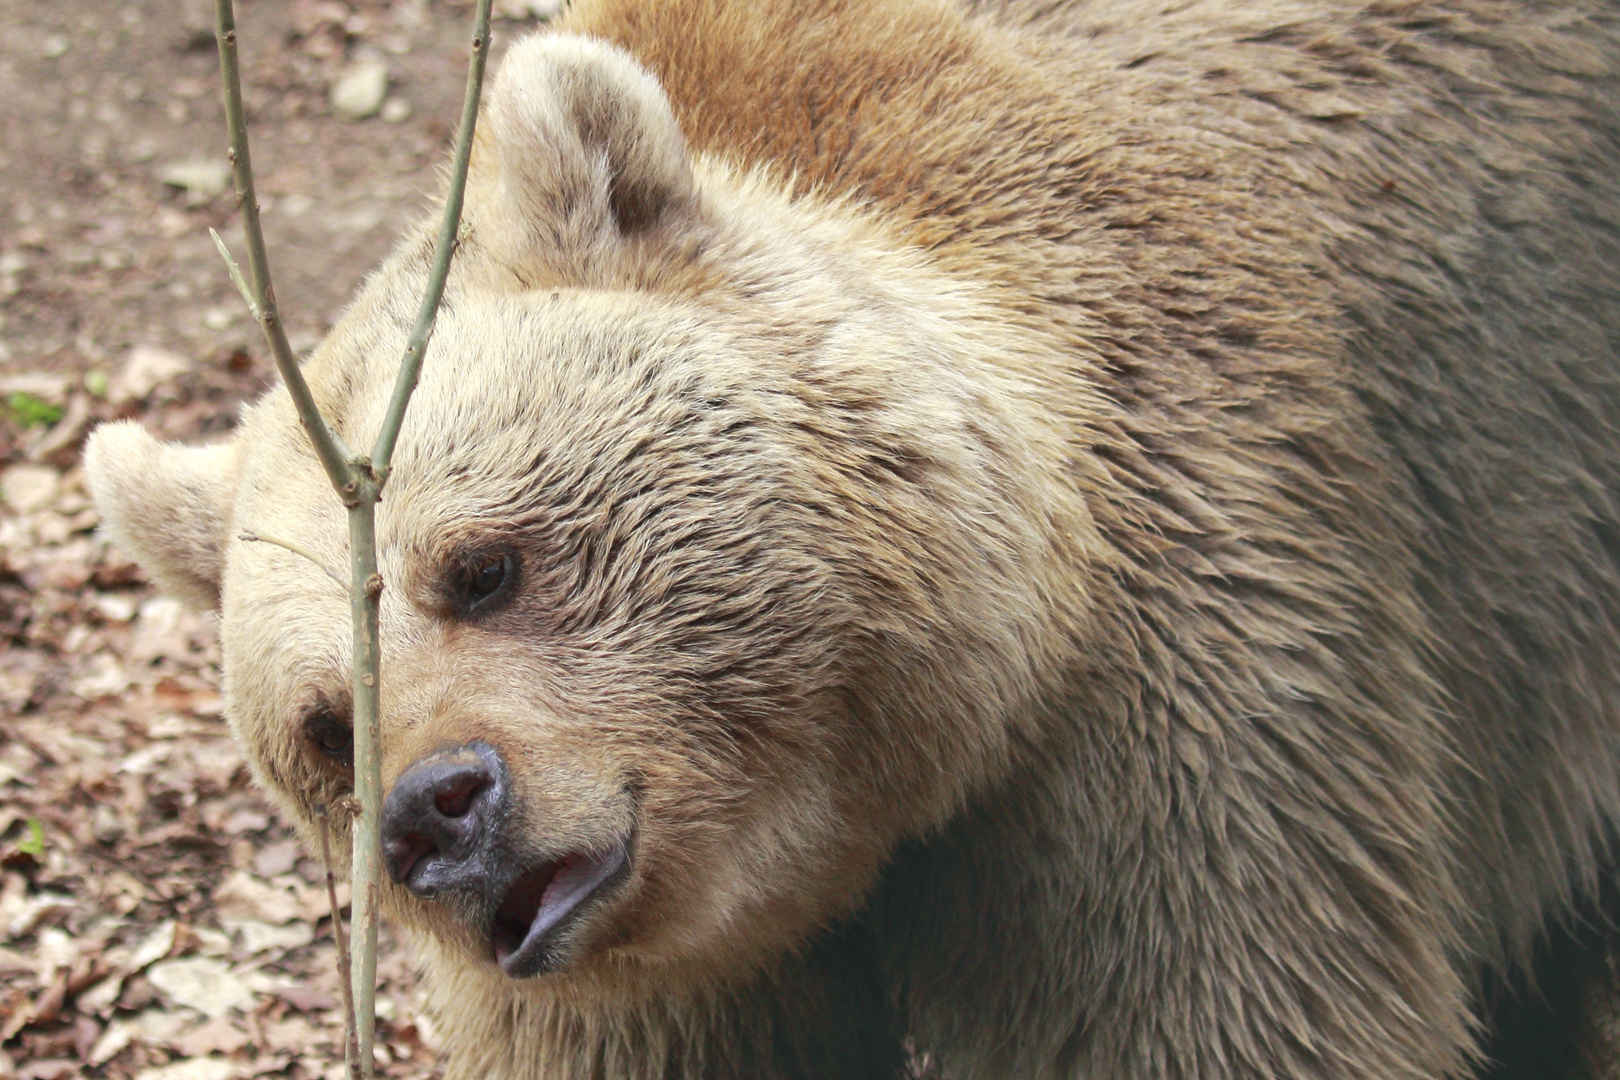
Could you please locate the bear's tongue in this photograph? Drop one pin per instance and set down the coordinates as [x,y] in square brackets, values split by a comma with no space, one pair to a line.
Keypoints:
[541,899]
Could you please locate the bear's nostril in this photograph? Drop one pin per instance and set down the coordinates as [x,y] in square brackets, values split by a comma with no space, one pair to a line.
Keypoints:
[401,854]
[455,793]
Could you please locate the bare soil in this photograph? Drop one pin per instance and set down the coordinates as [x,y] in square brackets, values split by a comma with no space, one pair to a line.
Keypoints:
[157,919]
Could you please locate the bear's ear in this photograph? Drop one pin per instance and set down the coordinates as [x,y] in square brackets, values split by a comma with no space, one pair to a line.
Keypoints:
[167,505]
[587,152]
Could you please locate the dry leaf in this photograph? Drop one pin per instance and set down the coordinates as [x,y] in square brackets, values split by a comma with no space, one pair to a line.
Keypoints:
[29,912]
[13,963]
[200,939]
[54,1069]
[268,1064]
[16,1010]
[55,949]
[112,1042]
[49,1005]
[101,997]
[313,902]
[306,998]
[244,821]
[195,1069]
[297,1033]
[241,897]
[277,858]
[219,1035]
[86,1033]
[122,892]
[147,759]
[201,983]
[257,937]
[154,947]
[159,1027]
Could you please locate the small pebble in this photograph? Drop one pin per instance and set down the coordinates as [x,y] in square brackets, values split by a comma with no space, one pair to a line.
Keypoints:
[202,180]
[29,488]
[145,369]
[361,90]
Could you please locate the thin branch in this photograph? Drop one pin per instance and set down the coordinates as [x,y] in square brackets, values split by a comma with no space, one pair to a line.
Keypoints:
[288,545]
[367,584]
[410,368]
[351,1043]
[328,447]
[366,866]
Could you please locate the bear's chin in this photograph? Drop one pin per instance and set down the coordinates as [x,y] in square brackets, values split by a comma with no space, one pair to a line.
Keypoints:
[531,931]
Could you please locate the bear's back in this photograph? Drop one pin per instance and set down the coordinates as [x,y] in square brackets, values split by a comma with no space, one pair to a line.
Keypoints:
[1348,274]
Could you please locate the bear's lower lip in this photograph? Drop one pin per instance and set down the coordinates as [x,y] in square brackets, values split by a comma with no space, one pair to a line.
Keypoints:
[542,901]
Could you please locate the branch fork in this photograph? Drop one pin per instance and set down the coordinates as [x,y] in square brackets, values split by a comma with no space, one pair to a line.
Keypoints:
[358,480]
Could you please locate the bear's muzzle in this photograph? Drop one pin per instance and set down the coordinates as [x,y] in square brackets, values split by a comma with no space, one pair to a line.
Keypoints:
[446,833]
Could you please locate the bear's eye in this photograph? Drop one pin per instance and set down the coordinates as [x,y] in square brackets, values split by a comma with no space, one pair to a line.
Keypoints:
[487,577]
[330,733]
[482,582]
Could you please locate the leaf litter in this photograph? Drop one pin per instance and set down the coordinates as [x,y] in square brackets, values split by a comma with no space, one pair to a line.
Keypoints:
[158,920]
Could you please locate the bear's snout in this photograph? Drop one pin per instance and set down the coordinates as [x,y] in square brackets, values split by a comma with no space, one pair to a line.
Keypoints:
[446,826]
[441,820]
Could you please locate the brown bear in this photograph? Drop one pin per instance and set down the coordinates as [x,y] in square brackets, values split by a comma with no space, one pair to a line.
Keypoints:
[973,538]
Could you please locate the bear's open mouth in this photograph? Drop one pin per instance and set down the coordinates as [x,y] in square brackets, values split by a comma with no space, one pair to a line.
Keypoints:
[544,900]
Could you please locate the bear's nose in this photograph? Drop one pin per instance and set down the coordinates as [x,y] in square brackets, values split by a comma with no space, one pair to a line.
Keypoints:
[438,822]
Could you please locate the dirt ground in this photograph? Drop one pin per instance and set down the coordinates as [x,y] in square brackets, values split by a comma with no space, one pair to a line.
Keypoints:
[157,920]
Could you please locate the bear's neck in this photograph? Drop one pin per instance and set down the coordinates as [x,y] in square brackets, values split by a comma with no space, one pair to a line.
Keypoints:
[819,1014]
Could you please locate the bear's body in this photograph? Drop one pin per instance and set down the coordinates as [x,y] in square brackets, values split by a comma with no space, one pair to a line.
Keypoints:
[1042,541]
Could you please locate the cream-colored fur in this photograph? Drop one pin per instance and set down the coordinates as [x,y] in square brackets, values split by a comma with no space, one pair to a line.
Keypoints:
[166,505]
[588,152]
[1079,541]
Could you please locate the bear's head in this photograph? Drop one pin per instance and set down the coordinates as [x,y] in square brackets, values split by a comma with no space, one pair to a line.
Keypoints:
[724,547]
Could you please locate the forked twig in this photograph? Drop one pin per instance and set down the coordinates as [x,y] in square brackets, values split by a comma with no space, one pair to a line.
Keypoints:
[359,482]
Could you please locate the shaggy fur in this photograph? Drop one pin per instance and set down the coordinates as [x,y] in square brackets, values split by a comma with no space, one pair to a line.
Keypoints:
[1080,537]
